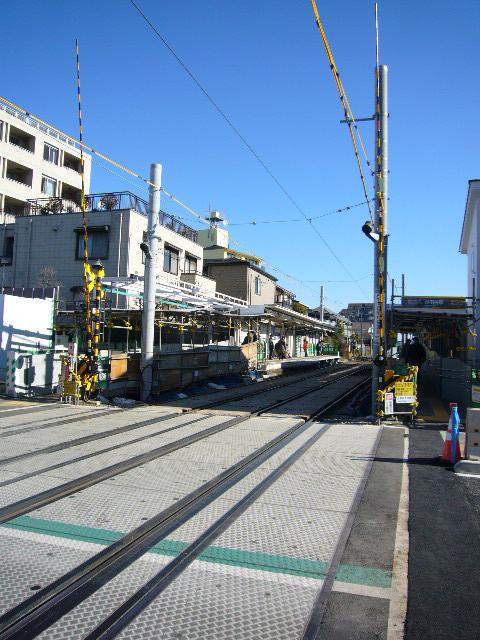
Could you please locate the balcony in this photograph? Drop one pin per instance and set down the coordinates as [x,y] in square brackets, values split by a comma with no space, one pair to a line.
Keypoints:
[18,173]
[21,139]
[41,126]
[72,162]
[115,201]
[13,207]
[72,195]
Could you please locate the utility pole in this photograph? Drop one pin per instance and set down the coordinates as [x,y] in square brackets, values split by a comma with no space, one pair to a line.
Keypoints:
[150,280]
[391,317]
[321,303]
[381,225]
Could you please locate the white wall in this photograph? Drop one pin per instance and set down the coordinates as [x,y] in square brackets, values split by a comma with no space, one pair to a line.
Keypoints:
[26,324]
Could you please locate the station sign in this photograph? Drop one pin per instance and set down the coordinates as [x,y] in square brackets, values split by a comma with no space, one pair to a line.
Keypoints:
[434,302]
[404,393]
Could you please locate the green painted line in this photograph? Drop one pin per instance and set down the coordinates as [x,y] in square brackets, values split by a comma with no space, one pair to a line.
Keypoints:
[255,560]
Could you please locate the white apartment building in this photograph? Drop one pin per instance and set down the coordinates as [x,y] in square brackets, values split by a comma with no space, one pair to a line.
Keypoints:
[37,161]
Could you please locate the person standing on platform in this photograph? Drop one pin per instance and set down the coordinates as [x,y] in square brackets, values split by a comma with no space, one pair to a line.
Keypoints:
[404,351]
[416,355]
[320,345]
[305,346]
[281,348]
[271,347]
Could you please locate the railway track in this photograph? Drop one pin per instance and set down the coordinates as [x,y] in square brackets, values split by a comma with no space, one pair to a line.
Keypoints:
[44,608]
[269,386]
[152,421]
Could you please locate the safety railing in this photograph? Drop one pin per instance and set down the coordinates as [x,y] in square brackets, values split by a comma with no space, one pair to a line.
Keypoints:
[114,201]
[33,122]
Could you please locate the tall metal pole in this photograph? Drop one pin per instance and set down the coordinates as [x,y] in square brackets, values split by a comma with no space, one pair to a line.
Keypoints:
[381,224]
[403,285]
[391,317]
[150,279]
[321,303]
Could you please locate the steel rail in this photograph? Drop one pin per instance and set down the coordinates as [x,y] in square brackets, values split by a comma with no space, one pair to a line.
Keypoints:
[5,412]
[256,392]
[92,437]
[93,454]
[60,446]
[40,611]
[73,486]
[307,392]
[131,608]
[83,415]
[312,629]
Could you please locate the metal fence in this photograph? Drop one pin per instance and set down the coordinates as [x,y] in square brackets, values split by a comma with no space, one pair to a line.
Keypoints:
[114,201]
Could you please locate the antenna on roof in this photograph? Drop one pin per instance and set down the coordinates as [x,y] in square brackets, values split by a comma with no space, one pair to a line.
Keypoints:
[215,218]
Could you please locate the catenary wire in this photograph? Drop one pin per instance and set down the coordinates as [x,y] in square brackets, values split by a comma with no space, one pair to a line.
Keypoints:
[323,215]
[145,182]
[249,146]
[349,116]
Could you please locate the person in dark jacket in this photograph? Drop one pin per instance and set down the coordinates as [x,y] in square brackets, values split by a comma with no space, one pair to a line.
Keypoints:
[404,351]
[416,354]
[281,348]
[271,347]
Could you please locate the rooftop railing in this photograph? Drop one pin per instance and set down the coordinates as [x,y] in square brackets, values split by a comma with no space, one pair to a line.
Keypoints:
[44,128]
[107,202]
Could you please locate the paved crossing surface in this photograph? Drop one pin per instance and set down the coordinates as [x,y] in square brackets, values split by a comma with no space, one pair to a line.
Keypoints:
[313,554]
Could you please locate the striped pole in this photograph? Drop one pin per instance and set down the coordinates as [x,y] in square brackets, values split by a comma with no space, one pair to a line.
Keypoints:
[86,266]
[99,273]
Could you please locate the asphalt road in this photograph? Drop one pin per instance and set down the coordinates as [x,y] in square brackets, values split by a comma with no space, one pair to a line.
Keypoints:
[444,558]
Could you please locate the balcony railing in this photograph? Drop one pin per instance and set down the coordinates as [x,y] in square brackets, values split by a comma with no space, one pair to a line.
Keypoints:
[44,128]
[171,222]
[20,146]
[107,202]
[18,179]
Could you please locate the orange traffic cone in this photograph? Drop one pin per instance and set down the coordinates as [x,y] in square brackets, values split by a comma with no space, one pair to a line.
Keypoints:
[447,445]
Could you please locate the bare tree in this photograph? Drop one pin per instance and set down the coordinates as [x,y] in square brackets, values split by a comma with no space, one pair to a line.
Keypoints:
[48,277]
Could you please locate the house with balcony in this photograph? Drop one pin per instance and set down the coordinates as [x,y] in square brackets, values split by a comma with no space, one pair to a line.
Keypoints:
[46,240]
[37,161]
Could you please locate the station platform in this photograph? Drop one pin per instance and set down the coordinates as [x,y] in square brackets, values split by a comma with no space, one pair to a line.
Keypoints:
[277,367]
[321,541]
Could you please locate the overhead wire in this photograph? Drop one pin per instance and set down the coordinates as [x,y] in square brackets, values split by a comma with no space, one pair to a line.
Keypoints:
[245,141]
[233,241]
[323,215]
[369,275]
[145,182]
[348,112]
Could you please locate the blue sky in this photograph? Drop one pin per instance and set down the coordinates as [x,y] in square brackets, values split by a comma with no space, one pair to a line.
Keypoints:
[263,62]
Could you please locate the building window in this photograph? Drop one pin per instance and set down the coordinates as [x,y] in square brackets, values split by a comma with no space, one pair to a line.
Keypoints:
[258,286]
[50,154]
[49,186]
[190,264]
[170,260]
[97,244]
[8,249]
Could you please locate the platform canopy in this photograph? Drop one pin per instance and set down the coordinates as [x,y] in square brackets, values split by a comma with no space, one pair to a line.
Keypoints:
[444,322]
[183,295]
[286,316]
